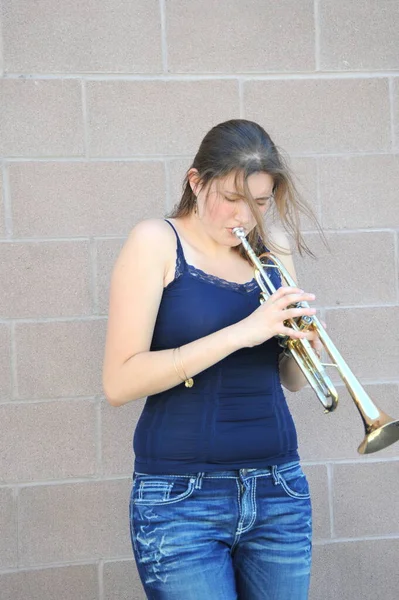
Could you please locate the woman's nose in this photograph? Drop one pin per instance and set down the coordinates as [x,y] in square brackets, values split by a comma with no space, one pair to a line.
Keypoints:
[243,212]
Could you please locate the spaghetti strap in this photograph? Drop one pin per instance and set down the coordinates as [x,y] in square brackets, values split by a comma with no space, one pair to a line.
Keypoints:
[179,246]
[174,229]
[180,260]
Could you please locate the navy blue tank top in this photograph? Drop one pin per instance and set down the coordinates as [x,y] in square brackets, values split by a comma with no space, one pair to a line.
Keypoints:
[236,415]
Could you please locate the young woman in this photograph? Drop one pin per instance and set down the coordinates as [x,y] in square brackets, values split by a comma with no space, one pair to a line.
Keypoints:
[220,507]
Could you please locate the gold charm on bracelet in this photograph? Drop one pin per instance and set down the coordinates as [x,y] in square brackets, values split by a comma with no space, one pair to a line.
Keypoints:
[188,381]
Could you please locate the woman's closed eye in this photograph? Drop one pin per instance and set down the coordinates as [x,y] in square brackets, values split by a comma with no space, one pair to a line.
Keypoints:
[260,201]
[230,199]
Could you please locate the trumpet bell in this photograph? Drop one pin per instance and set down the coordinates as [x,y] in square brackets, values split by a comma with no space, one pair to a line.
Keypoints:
[380,437]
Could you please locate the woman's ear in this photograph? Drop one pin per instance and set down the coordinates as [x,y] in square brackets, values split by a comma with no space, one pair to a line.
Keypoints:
[194,179]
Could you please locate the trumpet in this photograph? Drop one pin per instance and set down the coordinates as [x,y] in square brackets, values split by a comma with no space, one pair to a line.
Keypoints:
[381,430]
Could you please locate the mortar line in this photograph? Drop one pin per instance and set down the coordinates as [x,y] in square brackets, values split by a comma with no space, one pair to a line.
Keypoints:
[361,306]
[366,538]
[392,113]
[13,360]
[316,16]
[99,237]
[209,76]
[8,222]
[68,563]
[318,192]
[168,195]
[159,157]
[99,445]
[2,53]
[71,481]
[333,230]
[93,256]
[17,514]
[86,133]
[164,41]
[396,259]
[241,98]
[69,319]
[35,401]
[100,579]
[362,460]
[330,492]
[62,239]
[96,159]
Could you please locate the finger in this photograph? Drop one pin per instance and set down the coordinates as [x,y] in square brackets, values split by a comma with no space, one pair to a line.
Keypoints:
[283,291]
[316,345]
[317,352]
[313,337]
[295,334]
[291,313]
[289,299]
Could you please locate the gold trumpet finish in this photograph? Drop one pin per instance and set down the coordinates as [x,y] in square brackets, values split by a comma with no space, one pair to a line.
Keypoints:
[381,429]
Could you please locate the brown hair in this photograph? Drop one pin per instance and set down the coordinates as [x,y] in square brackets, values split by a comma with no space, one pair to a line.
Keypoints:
[244,147]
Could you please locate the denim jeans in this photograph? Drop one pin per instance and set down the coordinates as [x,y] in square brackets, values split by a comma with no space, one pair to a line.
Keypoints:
[223,535]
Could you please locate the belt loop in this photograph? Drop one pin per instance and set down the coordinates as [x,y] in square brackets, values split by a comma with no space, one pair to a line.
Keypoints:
[198,482]
[275,475]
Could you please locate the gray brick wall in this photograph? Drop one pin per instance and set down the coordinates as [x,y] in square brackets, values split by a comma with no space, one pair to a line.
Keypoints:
[103,103]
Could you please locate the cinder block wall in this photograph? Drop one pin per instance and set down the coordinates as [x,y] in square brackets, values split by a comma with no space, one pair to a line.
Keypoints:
[103,104]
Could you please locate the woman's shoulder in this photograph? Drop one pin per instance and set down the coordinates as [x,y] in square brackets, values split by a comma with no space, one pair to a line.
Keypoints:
[281,240]
[150,234]
[150,242]
[278,237]
[148,228]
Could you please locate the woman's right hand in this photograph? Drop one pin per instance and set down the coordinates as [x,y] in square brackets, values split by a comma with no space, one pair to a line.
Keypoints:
[267,321]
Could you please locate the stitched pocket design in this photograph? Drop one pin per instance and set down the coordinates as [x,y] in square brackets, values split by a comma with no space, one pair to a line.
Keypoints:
[153,490]
[294,483]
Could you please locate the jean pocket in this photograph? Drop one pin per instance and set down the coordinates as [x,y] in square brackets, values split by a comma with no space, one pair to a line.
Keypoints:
[151,490]
[294,482]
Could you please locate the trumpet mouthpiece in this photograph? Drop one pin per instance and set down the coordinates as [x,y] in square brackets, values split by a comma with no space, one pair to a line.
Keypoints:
[239,232]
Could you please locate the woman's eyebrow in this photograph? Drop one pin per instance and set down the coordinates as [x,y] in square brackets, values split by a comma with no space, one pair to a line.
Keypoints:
[241,196]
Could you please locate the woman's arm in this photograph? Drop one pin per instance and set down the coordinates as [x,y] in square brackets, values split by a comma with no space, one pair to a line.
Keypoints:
[291,376]
[130,370]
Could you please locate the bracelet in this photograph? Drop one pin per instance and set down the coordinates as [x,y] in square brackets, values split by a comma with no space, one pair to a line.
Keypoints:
[188,381]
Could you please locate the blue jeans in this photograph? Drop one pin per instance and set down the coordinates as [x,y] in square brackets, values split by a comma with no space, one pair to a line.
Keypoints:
[223,535]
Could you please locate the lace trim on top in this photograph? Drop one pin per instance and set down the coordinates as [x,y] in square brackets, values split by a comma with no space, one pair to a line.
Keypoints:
[179,261]
[248,286]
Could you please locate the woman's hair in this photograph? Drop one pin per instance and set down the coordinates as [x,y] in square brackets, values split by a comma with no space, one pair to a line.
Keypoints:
[243,147]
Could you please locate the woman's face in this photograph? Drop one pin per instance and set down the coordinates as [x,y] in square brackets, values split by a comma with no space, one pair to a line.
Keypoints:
[225,207]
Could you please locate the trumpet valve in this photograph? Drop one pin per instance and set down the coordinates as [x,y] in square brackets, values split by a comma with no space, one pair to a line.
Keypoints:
[305,322]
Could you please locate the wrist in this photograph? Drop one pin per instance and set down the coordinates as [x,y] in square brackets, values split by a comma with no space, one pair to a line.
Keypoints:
[235,337]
